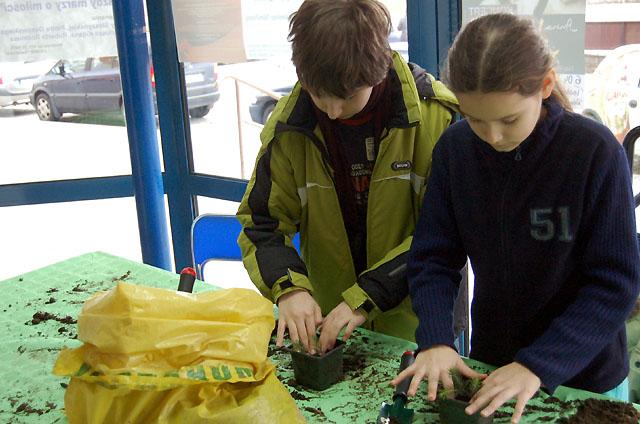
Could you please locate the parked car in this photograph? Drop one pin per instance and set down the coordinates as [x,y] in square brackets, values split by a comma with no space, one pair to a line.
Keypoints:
[17,78]
[263,106]
[93,84]
[614,91]
[261,109]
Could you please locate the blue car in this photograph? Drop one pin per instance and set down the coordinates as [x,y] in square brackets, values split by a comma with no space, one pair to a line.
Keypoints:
[93,84]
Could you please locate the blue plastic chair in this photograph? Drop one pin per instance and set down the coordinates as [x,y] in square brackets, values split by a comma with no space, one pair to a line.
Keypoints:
[215,238]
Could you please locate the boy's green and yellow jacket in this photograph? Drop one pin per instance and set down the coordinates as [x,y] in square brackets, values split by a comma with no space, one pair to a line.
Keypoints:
[292,190]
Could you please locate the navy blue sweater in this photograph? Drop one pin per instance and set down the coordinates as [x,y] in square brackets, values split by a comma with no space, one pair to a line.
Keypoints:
[550,231]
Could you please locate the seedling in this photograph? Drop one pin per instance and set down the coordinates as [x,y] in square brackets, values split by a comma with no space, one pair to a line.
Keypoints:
[452,410]
[463,387]
[298,346]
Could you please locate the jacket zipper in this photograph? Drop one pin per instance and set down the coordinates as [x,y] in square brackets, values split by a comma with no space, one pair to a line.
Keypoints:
[504,235]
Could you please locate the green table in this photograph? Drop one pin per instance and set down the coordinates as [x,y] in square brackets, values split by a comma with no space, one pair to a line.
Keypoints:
[38,319]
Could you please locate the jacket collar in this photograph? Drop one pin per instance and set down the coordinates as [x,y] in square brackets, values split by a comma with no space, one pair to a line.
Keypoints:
[404,103]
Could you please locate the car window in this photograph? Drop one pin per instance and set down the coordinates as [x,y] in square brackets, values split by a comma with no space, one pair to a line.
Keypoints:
[69,67]
[103,63]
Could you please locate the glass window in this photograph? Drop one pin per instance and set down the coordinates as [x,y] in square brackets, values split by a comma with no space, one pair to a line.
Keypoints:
[226,133]
[38,235]
[62,119]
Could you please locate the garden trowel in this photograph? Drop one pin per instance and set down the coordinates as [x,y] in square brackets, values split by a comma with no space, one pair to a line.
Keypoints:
[396,412]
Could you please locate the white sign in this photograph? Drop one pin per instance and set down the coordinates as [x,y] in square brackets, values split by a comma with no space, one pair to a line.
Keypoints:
[208,31]
[267,27]
[562,23]
[573,85]
[56,29]
[231,31]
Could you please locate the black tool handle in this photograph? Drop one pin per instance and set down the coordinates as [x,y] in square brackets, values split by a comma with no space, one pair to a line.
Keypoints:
[187,278]
[402,388]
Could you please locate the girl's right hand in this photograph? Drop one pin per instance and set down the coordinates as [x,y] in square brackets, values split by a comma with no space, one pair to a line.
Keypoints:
[434,365]
[299,312]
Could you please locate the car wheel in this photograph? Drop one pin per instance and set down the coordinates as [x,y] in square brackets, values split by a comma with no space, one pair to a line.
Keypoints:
[44,108]
[199,112]
[266,113]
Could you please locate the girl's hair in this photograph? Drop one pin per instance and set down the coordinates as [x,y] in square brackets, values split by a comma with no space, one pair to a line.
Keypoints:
[499,53]
[339,46]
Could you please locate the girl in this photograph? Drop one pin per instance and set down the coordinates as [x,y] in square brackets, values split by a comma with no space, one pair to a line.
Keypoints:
[539,199]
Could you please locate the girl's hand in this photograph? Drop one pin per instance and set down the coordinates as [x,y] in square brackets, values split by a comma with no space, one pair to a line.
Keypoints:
[340,317]
[299,312]
[505,383]
[434,365]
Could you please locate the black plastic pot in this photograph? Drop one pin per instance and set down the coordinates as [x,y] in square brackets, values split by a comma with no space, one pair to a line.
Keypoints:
[317,372]
[452,412]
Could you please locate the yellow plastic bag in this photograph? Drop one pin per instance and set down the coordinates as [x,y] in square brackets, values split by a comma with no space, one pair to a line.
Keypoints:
[159,356]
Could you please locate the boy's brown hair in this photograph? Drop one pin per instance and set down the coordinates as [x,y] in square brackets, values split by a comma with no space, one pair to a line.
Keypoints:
[500,53]
[340,45]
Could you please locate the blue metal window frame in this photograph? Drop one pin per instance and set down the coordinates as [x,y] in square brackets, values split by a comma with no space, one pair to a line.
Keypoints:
[432,25]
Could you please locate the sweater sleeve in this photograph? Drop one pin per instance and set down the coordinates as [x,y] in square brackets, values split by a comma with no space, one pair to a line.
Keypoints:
[610,268]
[435,259]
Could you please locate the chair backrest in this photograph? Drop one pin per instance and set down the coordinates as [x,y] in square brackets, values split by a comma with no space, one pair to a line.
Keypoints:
[215,237]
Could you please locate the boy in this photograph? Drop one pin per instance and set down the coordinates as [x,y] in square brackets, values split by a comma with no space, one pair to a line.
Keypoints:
[344,161]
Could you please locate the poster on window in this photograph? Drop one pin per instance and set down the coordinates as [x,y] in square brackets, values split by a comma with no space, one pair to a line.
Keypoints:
[41,29]
[208,31]
[561,21]
[231,31]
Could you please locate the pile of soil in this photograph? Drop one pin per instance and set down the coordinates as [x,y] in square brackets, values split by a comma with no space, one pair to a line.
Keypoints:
[598,411]
[42,316]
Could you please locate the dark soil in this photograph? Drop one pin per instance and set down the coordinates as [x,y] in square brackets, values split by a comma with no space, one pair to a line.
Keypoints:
[315,411]
[298,396]
[25,408]
[122,277]
[353,363]
[40,317]
[597,411]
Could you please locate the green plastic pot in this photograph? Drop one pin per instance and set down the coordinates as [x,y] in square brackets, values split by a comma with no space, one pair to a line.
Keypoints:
[452,412]
[317,372]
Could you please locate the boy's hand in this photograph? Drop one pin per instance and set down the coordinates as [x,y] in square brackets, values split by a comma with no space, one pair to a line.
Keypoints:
[338,318]
[505,383]
[299,312]
[434,365]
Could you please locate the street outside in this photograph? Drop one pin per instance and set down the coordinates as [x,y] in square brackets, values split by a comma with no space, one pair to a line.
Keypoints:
[96,145]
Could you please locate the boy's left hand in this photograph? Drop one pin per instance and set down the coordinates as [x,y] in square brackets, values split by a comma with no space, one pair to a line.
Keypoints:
[338,318]
[505,383]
